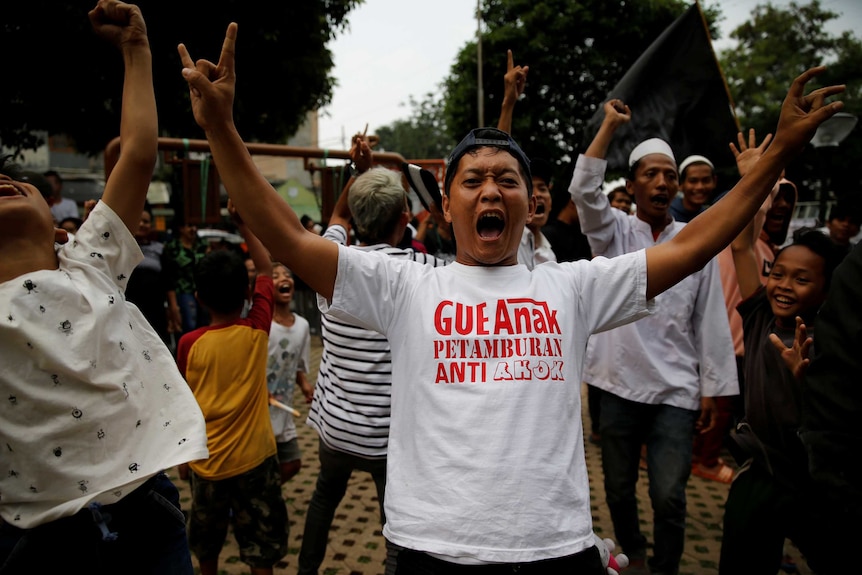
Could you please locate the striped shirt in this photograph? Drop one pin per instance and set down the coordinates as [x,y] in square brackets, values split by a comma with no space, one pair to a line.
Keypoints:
[351,404]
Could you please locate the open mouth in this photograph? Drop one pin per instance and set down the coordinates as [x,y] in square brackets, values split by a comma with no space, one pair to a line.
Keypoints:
[7,190]
[490,226]
[285,288]
[783,301]
[540,209]
[659,200]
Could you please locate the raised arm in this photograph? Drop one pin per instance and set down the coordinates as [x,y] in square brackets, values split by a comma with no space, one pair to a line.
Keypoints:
[211,87]
[514,82]
[616,114]
[259,254]
[126,189]
[742,246]
[710,232]
[598,220]
[360,154]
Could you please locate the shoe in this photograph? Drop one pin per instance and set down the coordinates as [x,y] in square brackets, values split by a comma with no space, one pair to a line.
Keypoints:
[719,472]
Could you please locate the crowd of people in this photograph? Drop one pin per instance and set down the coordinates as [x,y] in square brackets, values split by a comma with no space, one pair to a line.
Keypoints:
[453,377]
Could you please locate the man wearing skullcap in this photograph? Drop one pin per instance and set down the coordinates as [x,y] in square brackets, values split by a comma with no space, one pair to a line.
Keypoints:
[662,372]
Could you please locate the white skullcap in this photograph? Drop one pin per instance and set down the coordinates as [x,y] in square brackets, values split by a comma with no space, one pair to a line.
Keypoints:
[695,159]
[651,146]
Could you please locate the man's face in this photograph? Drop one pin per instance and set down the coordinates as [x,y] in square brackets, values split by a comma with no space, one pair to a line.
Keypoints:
[621,201]
[842,230]
[488,207]
[780,213]
[145,226]
[251,271]
[56,186]
[655,183]
[542,193]
[697,186]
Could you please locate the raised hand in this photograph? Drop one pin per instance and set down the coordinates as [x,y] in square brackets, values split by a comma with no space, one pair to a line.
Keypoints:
[795,357]
[747,154]
[118,23]
[515,79]
[212,86]
[802,114]
[617,112]
[360,153]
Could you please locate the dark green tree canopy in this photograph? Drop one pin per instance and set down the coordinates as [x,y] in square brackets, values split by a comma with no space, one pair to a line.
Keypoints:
[576,52]
[422,135]
[62,79]
[775,46]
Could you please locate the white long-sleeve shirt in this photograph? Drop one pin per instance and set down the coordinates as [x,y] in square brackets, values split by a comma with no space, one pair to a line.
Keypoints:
[683,351]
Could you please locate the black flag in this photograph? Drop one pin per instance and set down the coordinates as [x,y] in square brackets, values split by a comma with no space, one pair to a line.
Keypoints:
[676,92]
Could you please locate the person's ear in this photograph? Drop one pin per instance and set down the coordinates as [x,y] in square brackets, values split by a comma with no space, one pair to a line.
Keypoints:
[531,208]
[446,215]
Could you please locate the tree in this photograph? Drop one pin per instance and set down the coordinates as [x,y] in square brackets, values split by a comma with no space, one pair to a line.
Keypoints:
[62,79]
[774,47]
[576,50]
[423,135]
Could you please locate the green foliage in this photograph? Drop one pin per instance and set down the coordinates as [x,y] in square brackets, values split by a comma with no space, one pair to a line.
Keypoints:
[63,79]
[774,47]
[576,51]
[421,136]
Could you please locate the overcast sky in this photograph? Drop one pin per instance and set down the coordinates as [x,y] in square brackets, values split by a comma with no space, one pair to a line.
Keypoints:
[395,49]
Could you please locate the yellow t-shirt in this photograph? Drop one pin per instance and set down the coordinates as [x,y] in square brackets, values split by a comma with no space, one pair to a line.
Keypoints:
[225,367]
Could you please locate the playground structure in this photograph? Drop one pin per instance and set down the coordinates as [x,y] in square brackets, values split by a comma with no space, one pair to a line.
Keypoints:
[201,185]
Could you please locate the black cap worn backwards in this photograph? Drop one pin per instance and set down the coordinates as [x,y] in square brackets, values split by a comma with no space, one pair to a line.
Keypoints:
[481,138]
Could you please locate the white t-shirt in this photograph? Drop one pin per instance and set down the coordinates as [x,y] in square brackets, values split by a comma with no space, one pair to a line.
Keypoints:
[92,401]
[486,457]
[289,351]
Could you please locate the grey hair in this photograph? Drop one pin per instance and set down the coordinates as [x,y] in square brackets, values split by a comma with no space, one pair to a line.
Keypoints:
[376,200]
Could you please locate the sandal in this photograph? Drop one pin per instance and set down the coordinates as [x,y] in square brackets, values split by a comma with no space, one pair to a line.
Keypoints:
[720,472]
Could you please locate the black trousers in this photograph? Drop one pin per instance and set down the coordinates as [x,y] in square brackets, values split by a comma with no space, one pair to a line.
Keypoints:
[587,562]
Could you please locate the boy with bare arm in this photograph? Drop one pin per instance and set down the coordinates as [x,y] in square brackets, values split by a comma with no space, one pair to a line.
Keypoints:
[94,408]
